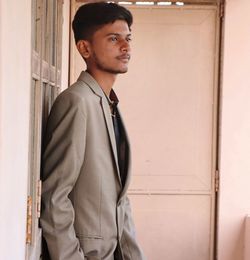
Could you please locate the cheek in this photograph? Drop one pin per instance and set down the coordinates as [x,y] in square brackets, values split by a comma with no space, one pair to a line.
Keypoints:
[108,55]
[103,51]
[106,52]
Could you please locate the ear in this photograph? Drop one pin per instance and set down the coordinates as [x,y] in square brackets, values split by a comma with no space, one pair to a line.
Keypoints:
[84,48]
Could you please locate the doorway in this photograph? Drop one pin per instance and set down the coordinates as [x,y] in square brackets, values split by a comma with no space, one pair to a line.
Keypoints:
[169,102]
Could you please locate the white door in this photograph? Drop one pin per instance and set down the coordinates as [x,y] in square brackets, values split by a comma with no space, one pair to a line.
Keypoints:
[169,103]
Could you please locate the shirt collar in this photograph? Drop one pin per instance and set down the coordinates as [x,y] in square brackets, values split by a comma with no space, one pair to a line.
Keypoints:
[113,99]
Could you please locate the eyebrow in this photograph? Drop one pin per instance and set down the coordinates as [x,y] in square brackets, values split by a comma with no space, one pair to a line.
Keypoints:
[117,34]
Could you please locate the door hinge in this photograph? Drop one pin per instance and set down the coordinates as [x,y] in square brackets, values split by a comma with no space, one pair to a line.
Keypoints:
[37,211]
[222,9]
[29,221]
[217,181]
[38,198]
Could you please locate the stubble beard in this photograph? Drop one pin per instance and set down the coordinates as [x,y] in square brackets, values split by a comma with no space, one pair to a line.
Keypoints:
[104,68]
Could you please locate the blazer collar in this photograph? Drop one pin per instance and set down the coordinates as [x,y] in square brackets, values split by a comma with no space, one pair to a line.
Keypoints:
[92,83]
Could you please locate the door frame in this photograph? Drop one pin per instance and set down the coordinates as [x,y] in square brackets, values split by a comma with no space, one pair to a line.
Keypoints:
[220,5]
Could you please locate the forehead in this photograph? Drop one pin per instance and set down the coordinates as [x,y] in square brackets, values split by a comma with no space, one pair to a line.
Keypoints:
[118,27]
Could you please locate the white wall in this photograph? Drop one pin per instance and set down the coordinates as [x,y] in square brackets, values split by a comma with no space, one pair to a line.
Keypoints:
[234,201]
[15,69]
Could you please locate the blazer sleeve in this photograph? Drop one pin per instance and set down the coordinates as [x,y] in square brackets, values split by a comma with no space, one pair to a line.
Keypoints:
[61,163]
[129,245]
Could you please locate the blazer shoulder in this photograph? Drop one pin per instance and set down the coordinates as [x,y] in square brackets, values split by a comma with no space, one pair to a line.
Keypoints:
[78,94]
[78,89]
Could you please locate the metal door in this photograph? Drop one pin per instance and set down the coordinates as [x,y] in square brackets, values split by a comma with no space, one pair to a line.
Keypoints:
[169,99]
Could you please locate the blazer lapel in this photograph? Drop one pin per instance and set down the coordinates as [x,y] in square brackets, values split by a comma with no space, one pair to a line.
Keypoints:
[91,82]
[109,123]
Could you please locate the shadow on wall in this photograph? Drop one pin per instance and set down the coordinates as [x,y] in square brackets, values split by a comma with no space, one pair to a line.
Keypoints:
[237,252]
[246,242]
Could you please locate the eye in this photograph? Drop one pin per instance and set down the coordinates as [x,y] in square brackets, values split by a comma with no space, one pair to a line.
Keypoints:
[129,39]
[113,39]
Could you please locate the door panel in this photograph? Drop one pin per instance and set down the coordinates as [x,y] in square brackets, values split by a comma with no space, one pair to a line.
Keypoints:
[168,101]
[173,226]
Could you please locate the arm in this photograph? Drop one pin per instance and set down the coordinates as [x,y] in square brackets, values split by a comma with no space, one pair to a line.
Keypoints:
[62,161]
[130,247]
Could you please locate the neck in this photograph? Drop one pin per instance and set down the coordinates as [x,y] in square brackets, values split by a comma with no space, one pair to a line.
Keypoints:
[104,79]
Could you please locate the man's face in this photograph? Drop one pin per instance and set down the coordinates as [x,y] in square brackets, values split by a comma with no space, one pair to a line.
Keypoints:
[110,48]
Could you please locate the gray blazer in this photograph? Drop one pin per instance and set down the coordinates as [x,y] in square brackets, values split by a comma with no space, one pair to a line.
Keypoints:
[85,210]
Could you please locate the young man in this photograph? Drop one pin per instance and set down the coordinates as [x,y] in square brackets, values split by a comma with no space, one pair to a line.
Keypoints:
[86,212]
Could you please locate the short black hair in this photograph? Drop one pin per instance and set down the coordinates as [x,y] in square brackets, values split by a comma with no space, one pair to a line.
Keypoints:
[92,16]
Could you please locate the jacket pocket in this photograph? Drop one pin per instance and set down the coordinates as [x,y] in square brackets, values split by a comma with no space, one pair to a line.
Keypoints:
[91,246]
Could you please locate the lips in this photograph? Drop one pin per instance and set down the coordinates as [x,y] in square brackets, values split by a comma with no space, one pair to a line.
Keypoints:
[124,57]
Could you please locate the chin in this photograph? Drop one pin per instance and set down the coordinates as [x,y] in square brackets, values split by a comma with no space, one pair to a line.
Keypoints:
[124,70]
[116,70]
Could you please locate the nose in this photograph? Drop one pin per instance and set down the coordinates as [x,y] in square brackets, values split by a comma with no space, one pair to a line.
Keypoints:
[125,46]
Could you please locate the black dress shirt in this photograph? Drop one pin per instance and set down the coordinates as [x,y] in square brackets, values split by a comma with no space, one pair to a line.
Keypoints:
[120,136]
